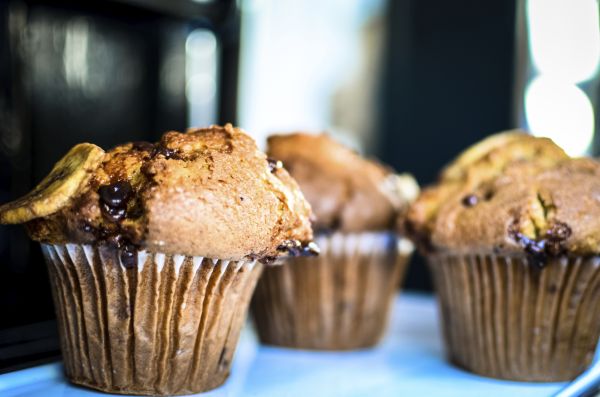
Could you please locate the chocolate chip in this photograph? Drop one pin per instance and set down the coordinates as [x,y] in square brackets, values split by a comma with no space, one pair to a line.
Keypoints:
[164,151]
[535,247]
[537,250]
[274,164]
[537,255]
[129,256]
[116,194]
[168,153]
[559,231]
[470,200]
[292,247]
[114,214]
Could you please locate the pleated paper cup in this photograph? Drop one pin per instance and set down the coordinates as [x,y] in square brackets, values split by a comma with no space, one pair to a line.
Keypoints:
[505,318]
[168,327]
[339,300]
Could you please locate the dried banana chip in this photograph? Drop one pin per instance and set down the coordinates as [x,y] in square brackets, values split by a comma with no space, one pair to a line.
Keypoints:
[66,180]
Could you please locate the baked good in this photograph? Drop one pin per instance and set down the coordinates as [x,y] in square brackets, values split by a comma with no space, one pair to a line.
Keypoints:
[154,250]
[511,233]
[339,300]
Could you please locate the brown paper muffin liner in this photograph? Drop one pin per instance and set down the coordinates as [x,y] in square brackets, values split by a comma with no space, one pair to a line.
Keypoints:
[339,300]
[505,318]
[168,327]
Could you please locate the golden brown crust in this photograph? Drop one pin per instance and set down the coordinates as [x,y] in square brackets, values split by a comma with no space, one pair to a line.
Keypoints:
[519,193]
[528,208]
[346,191]
[233,204]
[209,192]
[479,163]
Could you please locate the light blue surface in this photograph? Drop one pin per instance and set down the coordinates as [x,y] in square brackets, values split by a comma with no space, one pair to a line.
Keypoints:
[409,362]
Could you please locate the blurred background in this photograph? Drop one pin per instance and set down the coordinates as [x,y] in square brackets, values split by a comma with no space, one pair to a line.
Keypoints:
[411,82]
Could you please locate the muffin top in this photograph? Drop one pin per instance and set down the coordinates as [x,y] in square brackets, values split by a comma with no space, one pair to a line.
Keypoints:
[209,192]
[512,192]
[346,192]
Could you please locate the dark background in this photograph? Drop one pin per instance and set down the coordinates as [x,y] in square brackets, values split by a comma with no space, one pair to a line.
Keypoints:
[448,81]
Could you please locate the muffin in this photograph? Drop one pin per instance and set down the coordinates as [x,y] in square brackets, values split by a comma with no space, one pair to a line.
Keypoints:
[511,232]
[341,299]
[153,252]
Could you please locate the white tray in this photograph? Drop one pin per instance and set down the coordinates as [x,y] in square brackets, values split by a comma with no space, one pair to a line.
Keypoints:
[408,362]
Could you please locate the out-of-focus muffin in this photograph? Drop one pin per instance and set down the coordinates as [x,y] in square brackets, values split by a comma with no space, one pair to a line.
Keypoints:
[341,299]
[512,235]
[153,252]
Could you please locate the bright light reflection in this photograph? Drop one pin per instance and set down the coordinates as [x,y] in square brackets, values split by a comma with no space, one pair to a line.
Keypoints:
[201,43]
[564,38]
[200,89]
[562,112]
[201,75]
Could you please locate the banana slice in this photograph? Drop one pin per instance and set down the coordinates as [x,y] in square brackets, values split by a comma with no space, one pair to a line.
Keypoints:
[66,180]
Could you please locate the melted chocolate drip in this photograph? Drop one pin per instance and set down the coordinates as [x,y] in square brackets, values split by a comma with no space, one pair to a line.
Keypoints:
[296,248]
[114,213]
[114,198]
[555,237]
[115,195]
[166,152]
[559,231]
[155,149]
[128,254]
[113,238]
[551,245]
[535,249]
[116,240]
